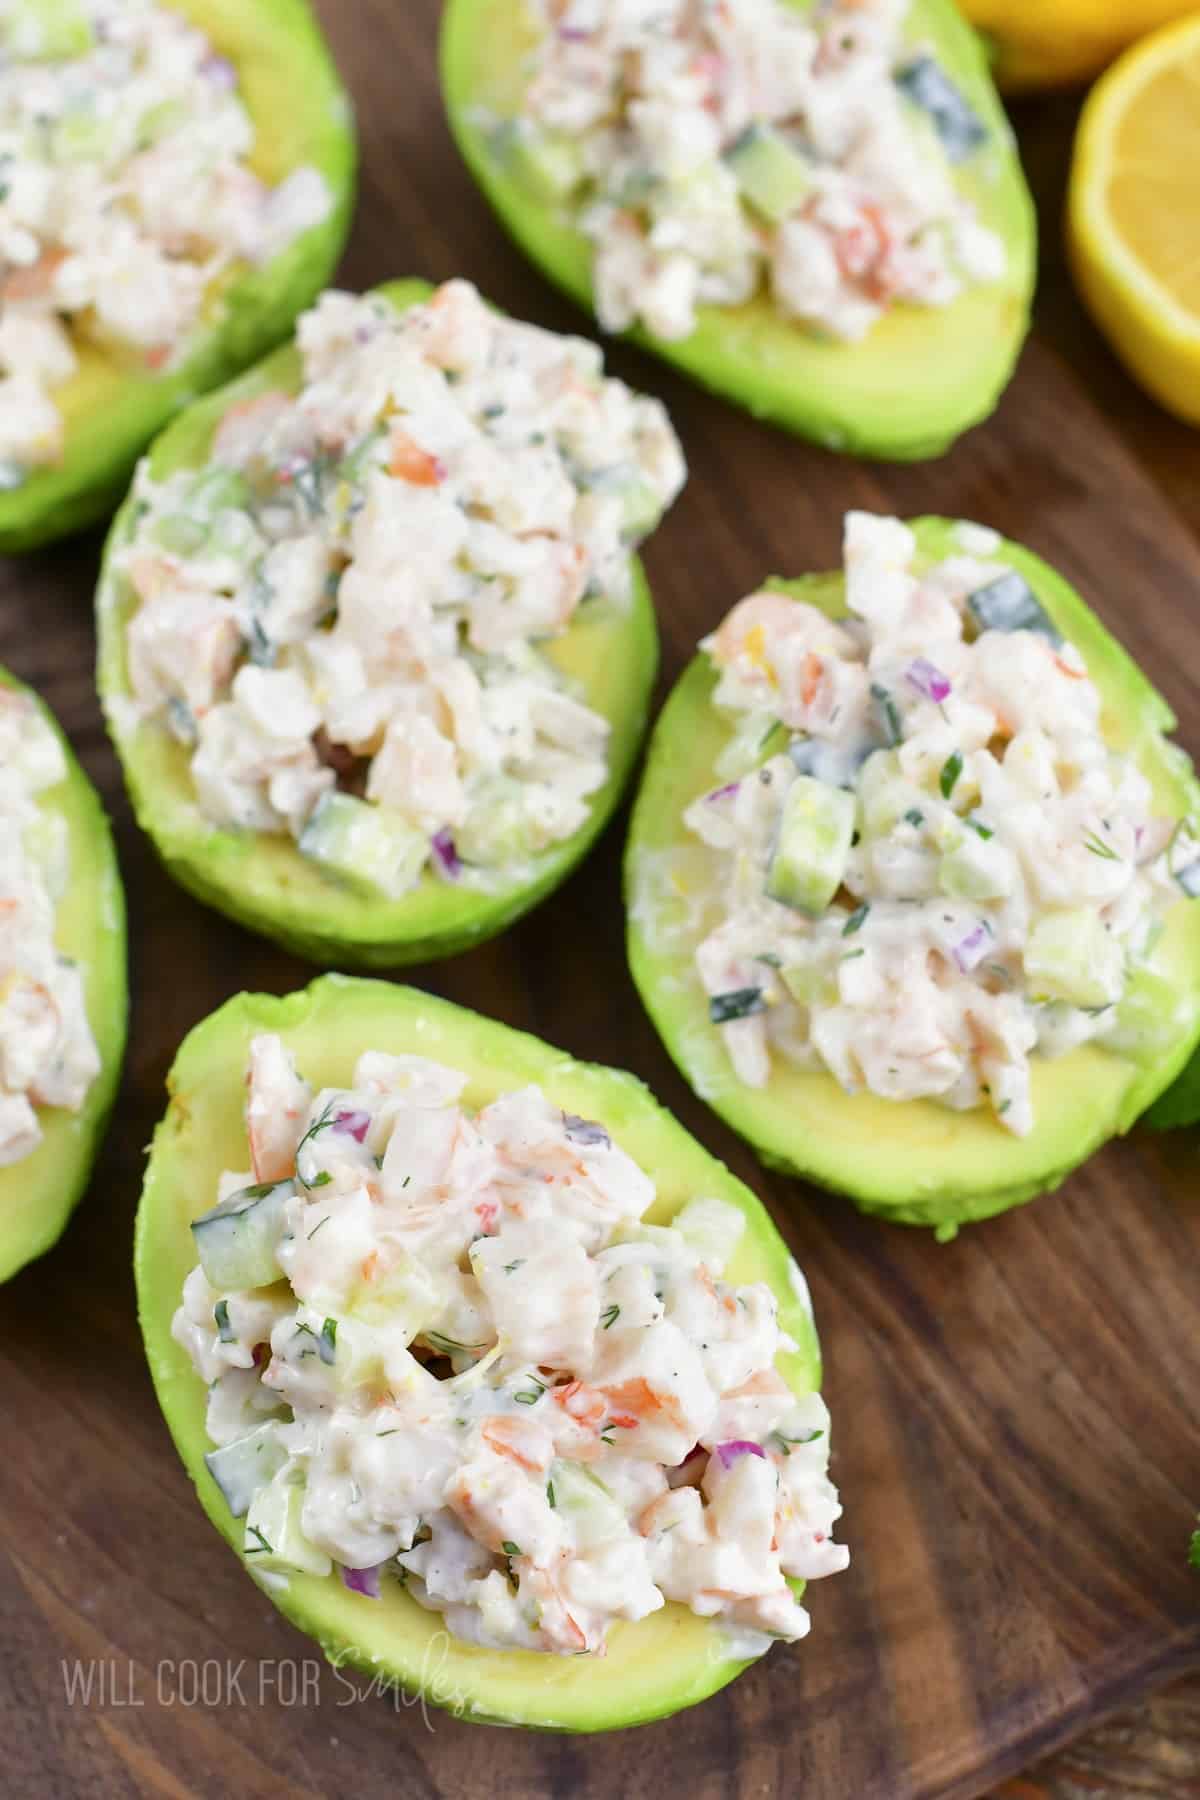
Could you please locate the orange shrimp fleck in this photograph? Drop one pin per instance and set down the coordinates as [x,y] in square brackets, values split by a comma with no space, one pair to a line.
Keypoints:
[506,1437]
[412,464]
[638,1397]
[585,1405]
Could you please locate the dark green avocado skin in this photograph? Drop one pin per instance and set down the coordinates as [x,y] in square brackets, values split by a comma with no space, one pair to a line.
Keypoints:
[265,883]
[113,409]
[914,1162]
[39,1193]
[919,379]
[652,1669]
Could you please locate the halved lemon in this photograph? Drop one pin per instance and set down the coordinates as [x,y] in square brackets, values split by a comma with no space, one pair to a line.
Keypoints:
[1059,43]
[1133,212]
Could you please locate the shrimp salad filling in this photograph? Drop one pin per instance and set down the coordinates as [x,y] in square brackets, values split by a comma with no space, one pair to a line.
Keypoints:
[938,869]
[444,1351]
[342,616]
[125,194]
[48,1056]
[708,148]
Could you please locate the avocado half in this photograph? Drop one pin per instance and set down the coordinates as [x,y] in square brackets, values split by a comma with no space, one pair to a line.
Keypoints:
[610,651]
[914,1162]
[113,405]
[38,1193]
[671,1659]
[919,378]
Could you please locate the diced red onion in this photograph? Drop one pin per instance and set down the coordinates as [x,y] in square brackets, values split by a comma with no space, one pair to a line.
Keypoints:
[355,1124]
[573,34]
[972,949]
[727,1454]
[445,855]
[220,71]
[723,793]
[363,1581]
[928,679]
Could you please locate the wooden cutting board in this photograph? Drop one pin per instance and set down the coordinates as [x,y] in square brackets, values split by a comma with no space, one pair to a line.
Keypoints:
[1016,1431]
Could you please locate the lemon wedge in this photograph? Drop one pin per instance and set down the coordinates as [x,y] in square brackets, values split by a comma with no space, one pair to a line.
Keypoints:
[1133,212]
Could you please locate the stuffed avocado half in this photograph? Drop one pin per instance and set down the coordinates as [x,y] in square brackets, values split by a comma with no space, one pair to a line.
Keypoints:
[374,648]
[910,876]
[197,160]
[823,218]
[62,977]
[511,1354]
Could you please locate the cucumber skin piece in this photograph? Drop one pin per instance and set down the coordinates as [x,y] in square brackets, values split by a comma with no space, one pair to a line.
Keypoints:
[939,1191]
[267,884]
[860,399]
[282,48]
[39,1194]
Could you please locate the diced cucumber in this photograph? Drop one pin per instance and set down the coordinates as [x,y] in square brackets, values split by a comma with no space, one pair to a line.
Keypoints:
[595,1517]
[1010,604]
[403,1295]
[47,30]
[886,795]
[157,122]
[927,85]
[241,1468]
[497,829]
[1150,1015]
[370,847]
[274,1538]
[547,164]
[642,509]
[973,867]
[808,980]
[810,856]
[1070,956]
[181,533]
[81,135]
[773,177]
[218,490]
[236,1242]
[713,1228]
[758,735]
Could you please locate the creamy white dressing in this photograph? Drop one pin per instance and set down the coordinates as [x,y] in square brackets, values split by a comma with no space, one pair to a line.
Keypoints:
[48,1057]
[352,600]
[646,119]
[1007,876]
[125,194]
[480,1374]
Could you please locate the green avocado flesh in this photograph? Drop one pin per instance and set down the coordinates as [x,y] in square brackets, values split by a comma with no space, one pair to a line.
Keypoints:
[671,1659]
[113,405]
[609,651]
[914,1161]
[919,378]
[38,1193]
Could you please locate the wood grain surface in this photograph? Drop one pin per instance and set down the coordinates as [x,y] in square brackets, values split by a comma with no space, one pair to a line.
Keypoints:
[1015,1414]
